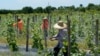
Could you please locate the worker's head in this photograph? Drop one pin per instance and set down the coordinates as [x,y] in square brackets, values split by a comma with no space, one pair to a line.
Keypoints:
[60,25]
[45,19]
[18,19]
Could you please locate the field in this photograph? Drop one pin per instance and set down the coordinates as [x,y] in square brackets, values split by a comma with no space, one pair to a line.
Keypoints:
[83,29]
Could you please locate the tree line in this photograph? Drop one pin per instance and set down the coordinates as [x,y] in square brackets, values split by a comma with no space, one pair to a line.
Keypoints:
[49,9]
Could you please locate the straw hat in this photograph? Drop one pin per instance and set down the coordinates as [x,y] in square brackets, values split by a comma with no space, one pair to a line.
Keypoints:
[44,18]
[60,25]
[19,17]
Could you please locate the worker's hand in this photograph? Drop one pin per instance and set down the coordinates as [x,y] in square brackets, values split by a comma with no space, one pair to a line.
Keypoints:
[52,39]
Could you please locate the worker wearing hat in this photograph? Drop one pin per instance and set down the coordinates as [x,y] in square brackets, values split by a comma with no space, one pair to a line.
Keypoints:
[62,34]
[45,23]
[19,24]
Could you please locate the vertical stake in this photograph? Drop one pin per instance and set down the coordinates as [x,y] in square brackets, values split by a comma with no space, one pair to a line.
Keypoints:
[36,18]
[27,35]
[97,29]
[96,35]
[68,20]
[0,18]
[59,18]
[16,19]
[33,19]
[49,20]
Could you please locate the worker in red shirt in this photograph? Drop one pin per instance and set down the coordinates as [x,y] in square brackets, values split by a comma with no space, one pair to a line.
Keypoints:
[45,23]
[19,25]
[44,26]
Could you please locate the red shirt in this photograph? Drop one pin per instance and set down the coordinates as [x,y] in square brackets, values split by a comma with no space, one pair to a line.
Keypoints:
[20,25]
[45,24]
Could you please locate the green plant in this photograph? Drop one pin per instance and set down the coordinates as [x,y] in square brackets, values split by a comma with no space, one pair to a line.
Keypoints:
[11,37]
[37,40]
[74,45]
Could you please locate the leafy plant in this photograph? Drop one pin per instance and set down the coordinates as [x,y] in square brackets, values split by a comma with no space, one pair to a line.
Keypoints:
[37,40]
[11,37]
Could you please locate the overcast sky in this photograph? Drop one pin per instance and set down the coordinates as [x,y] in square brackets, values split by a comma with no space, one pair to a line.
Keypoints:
[19,4]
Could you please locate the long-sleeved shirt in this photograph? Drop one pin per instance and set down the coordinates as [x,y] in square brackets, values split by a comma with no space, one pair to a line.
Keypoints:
[62,34]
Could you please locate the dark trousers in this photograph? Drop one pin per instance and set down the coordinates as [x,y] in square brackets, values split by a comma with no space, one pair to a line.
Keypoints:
[57,49]
[45,33]
[20,31]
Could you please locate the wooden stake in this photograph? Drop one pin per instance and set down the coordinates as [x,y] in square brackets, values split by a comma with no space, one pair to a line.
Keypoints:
[68,20]
[0,18]
[97,29]
[16,19]
[96,35]
[27,35]
[33,19]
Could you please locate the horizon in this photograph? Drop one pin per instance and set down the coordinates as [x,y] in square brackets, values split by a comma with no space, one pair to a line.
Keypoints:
[19,4]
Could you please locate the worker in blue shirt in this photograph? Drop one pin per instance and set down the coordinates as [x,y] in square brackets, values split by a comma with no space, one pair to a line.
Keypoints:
[60,36]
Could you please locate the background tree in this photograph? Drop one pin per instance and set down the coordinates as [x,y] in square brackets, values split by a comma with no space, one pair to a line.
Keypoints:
[91,6]
[27,10]
[38,10]
[49,9]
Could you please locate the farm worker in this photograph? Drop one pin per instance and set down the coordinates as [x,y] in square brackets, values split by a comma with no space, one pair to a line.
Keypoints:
[19,24]
[45,25]
[60,36]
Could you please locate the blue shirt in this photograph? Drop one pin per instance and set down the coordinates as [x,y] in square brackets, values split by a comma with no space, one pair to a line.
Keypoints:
[62,34]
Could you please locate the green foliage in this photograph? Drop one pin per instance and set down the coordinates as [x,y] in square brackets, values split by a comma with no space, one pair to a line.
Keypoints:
[82,33]
[74,45]
[98,50]
[27,10]
[89,43]
[38,10]
[65,45]
[37,40]
[11,37]
[49,9]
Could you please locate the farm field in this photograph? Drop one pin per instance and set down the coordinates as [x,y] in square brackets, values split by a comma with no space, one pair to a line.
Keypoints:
[50,28]
[83,29]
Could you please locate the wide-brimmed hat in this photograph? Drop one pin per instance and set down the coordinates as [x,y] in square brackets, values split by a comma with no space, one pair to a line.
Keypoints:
[44,18]
[19,17]
[60,25]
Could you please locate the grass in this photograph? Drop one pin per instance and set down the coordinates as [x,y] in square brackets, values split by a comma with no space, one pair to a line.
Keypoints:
[22,41]
[3,40]
[10,54]
[82,45]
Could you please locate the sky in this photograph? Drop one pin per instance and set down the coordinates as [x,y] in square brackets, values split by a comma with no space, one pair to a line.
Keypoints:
[19,4]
